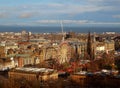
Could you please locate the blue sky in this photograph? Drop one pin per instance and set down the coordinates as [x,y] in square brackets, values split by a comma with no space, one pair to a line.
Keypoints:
[51,12]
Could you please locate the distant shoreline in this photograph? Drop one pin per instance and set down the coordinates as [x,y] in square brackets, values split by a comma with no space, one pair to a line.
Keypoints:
[55,29]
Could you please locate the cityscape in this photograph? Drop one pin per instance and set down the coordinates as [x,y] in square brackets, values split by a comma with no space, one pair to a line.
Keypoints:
[60,44]
[47,58]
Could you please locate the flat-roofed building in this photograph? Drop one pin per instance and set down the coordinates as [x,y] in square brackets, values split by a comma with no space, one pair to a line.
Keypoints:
[30,73]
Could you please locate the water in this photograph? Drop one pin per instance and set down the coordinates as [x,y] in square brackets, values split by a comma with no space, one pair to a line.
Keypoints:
[58,29]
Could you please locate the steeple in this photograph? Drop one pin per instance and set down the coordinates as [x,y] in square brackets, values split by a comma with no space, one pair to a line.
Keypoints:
[89,47]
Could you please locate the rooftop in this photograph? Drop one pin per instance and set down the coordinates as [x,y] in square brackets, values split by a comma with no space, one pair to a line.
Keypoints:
[32,70]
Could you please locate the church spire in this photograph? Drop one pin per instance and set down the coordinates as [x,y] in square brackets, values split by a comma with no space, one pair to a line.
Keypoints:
[89,47]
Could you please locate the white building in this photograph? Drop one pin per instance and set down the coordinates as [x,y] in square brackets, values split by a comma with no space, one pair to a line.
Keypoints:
[100,48]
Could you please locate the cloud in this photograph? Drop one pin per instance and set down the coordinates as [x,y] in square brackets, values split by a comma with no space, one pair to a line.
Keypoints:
[73,8]
[76,10]
[3,15]
[61,10]
[64,21]
[55,9]
[116,16]
[76,22]
[104,23]
[104,1]
[47,21]
[25,15]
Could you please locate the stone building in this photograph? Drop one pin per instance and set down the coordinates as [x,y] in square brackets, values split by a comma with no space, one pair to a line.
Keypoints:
[109,45]
[64,51]
[25,59]
[40,74]
[2,51]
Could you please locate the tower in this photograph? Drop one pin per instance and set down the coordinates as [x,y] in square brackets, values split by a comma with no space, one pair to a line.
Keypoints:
[89,47]
[94,46]
[24,35]
[28,35]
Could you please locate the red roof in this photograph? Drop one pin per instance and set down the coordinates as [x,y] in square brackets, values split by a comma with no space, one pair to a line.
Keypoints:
[25,43]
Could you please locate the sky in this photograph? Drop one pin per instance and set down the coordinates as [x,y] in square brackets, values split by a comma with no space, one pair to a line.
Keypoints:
[52,12]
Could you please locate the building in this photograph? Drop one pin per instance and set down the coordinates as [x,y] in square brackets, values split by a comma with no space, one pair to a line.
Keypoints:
[31,74]
[6,63]
[117,43]
[78,49]
[2,51]
[25,59]
[109,45]
[100,47]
